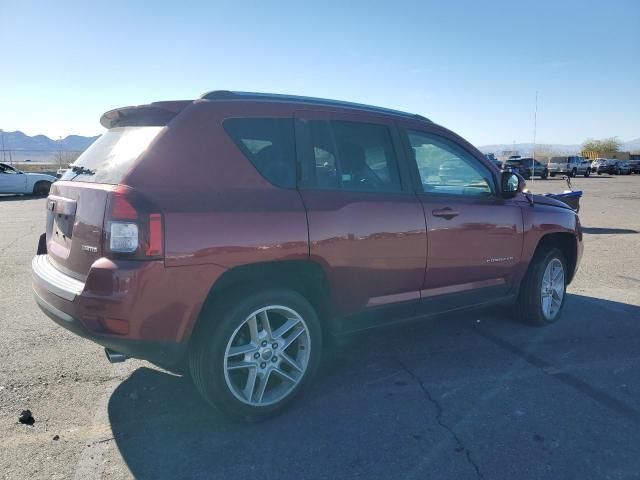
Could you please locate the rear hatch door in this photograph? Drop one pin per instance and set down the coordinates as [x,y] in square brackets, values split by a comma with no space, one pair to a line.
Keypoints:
[77,202]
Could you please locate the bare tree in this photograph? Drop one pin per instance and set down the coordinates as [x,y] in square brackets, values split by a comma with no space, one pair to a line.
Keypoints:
[604,145]
[63,158]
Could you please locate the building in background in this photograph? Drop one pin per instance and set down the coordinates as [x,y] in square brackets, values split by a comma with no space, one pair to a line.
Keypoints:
[616,155]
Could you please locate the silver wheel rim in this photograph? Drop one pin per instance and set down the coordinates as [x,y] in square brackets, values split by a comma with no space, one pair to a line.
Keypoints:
[552,292]
[267,356]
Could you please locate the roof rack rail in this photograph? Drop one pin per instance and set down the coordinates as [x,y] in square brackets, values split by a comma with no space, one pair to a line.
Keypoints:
[232,95]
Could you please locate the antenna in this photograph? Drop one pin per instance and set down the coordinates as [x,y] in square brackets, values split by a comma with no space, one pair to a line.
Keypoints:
[535,127]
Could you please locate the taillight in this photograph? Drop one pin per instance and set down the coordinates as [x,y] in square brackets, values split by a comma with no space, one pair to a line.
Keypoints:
[133,227]
[123,237]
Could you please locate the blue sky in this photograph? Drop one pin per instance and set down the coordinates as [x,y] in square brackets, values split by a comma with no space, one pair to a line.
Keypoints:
[472,66]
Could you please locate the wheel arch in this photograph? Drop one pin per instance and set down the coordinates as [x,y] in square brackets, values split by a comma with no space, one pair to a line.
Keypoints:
[568,245]
[38,183]
[305,277]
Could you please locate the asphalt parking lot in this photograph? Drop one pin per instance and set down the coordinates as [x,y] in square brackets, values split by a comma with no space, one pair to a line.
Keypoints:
[462,397]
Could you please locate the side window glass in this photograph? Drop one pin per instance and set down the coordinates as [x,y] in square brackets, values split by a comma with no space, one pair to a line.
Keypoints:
[324,155]
[268,143]
[446,168]
[353,156]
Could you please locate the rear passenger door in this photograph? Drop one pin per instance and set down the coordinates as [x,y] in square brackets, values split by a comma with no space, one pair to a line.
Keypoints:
[366,226]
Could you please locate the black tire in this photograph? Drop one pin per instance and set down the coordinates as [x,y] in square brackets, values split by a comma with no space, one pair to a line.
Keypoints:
[573,173]
[206,355]
[599,173]
[41,189]
[528,306]
[545,174]
[587,172]
[553,175]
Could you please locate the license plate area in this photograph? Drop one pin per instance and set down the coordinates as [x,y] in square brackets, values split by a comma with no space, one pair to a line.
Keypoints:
[61,212]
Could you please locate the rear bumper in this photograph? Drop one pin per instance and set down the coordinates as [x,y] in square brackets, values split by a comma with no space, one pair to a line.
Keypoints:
[47,275]
[140,308]
[163,353]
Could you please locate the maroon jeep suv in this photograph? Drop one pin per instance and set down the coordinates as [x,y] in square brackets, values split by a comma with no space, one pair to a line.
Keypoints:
[235,233]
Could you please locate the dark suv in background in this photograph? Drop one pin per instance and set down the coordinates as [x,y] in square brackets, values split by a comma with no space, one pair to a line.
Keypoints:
[602,165]
[528,167]
[237,232]
[621,167]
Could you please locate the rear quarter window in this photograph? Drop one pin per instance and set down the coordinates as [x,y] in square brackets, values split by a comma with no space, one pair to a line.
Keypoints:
[269,144]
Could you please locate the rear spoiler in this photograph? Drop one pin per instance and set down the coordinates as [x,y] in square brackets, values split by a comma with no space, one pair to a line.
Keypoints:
[154,114]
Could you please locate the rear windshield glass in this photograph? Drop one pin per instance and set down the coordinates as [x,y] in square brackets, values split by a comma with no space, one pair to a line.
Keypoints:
[110,157]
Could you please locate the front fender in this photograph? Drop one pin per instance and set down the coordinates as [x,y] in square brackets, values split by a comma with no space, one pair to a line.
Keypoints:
[541,221]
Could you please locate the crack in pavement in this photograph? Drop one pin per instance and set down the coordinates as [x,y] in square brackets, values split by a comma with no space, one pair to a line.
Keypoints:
[439,418]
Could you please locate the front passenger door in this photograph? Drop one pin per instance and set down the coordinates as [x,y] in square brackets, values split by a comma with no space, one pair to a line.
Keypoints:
[474,235]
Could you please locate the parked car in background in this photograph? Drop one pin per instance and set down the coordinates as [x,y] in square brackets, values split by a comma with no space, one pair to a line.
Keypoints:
[528,167]
[14,181]
[602,165]
[454,172]
[572,166]
[621,167]
[292,219]
[634,165]
[492,158]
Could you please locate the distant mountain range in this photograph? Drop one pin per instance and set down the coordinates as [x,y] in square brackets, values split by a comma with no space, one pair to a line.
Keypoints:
[20,147]
[554,148]
[20,142]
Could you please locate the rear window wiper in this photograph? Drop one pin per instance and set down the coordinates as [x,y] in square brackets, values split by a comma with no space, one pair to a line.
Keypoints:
[80,170]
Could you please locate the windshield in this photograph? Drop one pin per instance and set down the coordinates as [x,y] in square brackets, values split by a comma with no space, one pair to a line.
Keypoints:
[4,168]
[110,157]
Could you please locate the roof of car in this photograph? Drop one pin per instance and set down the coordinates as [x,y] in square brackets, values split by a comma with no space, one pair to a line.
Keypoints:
[275,97]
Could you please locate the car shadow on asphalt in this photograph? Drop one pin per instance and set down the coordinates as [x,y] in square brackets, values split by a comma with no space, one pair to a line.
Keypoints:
[607,231]
[592,176]
[14,198]
[358,417]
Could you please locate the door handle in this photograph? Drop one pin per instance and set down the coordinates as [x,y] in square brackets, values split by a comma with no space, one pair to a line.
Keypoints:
[446,213]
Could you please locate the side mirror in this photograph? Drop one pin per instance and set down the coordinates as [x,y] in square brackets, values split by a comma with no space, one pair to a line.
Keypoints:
[511,183]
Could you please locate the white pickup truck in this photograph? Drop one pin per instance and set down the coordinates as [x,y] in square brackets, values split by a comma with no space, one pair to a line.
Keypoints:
[13,180]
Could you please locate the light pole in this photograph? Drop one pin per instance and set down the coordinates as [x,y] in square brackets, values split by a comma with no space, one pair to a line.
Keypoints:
[3,152]
[535,126]
[59,152]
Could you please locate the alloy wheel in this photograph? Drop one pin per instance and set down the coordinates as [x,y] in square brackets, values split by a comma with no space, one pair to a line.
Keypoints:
[552,291]
[267,356]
